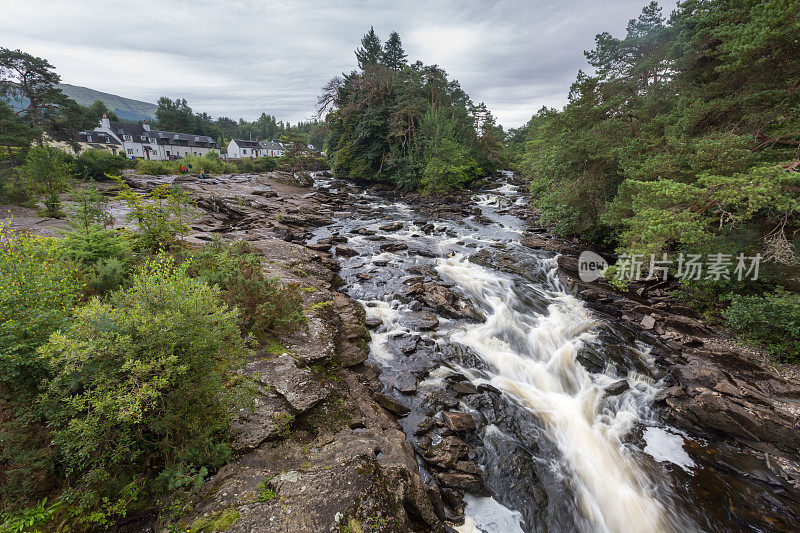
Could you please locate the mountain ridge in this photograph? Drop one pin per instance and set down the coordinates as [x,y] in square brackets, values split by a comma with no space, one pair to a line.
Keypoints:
[125,108]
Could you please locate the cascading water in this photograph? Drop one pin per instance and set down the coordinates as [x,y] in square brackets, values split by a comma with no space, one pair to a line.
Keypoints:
[533,359]
[558,454]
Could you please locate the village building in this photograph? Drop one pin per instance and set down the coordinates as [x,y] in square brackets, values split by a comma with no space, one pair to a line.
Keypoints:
[272,148]
[243,149]
[138,140]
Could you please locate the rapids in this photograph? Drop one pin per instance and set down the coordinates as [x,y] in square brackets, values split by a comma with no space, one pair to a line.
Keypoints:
[557,453]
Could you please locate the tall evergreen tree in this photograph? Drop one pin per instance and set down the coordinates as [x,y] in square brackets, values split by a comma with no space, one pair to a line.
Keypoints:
[370,53]
[394,57]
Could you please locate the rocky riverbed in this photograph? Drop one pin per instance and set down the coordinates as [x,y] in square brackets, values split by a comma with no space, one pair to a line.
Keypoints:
[456,373]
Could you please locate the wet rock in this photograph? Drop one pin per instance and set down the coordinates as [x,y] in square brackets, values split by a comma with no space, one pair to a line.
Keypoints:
[648,322]
[415,305]
[426,425]
[373,322]
[617,388]
[380,262]
[423,321]
[452,497]
[446,453]
[464,388]
[345,251]
[406,383]
[463,481]
[568,263]
[394,226]
[393,247]
[306,220]
[458,421]
[391,405]
[469,467]
[543,243]
[406,344]
[320,247]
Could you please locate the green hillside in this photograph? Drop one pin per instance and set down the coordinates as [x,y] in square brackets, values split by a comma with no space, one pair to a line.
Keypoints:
[125,108]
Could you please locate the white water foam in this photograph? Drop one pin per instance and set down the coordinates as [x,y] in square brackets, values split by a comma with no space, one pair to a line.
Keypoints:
[487,514]
[536,364]
[663,445]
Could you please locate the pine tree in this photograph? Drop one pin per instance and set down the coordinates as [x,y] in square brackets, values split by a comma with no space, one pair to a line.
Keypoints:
[370,52]
[394,57]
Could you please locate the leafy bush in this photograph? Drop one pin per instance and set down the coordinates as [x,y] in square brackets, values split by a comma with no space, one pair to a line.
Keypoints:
[771,320]
[97,164]
[267,307]
[38,290]
[261,164]
[138,389]
[45,173]
[109,275]
[161,216]
[90,207]
[96,243]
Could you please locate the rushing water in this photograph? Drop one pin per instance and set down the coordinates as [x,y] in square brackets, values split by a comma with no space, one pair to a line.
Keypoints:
[558,454]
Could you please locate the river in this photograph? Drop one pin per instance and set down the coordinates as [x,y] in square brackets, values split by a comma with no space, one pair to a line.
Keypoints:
[556,451]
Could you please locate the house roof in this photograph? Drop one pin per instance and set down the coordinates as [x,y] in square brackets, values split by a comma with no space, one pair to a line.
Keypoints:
[271,145]
[97,137]
[140,135]
[246,144]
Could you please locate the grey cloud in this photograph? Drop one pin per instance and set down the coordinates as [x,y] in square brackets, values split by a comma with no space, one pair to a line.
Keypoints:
[246,57]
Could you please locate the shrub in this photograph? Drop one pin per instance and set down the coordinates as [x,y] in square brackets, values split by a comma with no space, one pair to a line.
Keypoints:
[109,275]
[138,389]
[96,164]
[45,173]
[96,243]
[267,306]
[161,216]
[90,207]
[38,290]
[771,320]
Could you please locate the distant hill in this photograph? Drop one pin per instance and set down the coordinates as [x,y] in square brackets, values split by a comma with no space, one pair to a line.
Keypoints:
[125,108]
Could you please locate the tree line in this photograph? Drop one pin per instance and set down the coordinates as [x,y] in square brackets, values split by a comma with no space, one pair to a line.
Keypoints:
[176,115]
[684,138]
[406,124]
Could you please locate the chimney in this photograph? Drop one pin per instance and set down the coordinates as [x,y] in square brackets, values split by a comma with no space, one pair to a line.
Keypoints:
[146,126]
[105,123]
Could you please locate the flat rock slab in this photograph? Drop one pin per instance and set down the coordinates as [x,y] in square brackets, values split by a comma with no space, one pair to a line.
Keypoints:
[458,421]
[254,424]
[298,386]
[392,405]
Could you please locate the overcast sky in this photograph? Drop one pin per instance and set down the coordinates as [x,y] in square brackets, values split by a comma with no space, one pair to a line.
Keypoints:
[246,57]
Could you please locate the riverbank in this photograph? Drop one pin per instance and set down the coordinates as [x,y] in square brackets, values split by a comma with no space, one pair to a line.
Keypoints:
[492,384]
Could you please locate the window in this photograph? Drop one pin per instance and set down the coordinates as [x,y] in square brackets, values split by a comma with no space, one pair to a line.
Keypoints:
[130,151]
[88,138]
[127,138]
[168,154]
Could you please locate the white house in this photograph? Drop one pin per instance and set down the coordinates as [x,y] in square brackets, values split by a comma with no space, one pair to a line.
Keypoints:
[138,140]
[272,148]
[242,149]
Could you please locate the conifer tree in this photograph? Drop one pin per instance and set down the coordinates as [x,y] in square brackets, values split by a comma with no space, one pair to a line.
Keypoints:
[394,57]
[370,53]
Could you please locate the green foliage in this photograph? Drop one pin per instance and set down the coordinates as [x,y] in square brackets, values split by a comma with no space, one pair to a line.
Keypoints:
[771,320]
[45,173]
[267,306]
[161,216]
[110,274]
[90,208]
[87,247]
[97,164]
[215,523]
[406,125]
[265,492]
[38,290]
[283,423]
[138,386]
